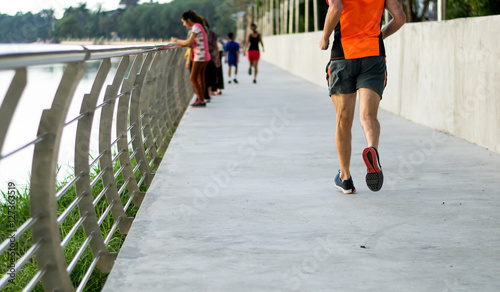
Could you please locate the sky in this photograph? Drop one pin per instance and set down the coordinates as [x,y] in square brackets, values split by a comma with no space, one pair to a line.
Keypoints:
[13,6]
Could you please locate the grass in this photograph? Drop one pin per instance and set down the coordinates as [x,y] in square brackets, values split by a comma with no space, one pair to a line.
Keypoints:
[22,213]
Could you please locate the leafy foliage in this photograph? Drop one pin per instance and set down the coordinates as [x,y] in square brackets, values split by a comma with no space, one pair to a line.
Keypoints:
[148,20]
[154,20]
[470,8]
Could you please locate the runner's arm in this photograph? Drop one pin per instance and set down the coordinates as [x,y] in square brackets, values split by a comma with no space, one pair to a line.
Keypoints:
[246,44]
[331,21]
[398,18]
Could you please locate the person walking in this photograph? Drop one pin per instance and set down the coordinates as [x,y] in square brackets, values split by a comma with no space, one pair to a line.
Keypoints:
[252,50]
[232,50]
[219,80]
[198,41]
[357,65]
[213,64]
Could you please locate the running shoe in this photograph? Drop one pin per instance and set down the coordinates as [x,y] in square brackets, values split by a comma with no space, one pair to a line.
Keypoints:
[254,81]
[250,71]
[235,81]
[374,177]
[346,186]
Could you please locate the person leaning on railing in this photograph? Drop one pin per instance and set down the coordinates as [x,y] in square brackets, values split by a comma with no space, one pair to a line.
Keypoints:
[199,44]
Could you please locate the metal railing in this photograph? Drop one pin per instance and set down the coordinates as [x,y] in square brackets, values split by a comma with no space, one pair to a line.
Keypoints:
[143,106]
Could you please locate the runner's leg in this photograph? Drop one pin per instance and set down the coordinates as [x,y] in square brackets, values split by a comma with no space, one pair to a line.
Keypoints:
[369,102]
[344,109]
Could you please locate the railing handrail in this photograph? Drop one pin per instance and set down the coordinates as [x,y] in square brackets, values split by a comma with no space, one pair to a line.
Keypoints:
[14,56]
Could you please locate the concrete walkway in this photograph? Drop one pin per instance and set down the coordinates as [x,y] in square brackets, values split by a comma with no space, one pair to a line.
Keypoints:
[244,201]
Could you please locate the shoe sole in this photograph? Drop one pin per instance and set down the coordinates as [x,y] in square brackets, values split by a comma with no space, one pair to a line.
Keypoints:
[349,191]
[374,177]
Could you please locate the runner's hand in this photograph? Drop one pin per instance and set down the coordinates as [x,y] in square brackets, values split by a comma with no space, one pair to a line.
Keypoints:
[323,44]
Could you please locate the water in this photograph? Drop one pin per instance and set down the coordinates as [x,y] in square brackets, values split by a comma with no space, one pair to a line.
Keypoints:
[42,85]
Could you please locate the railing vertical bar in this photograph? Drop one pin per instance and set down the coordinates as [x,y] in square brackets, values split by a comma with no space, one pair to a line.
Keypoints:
[129,202]
[79,254]
[68,185]
[97,158]
[124,186]
[106,212]
[69,209]
[100,195]
[98,177]
[35,280]
[112,231]
[73,230]
[20,231]
[86,277]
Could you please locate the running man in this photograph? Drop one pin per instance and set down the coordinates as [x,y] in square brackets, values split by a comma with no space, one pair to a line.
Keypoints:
[357,65]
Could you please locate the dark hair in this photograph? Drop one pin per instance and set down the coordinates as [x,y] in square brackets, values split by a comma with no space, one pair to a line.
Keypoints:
[205,22]
[190,14]
[230,35]
[253,27]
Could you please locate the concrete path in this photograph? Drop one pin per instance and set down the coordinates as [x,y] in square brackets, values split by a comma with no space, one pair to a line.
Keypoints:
[244,201]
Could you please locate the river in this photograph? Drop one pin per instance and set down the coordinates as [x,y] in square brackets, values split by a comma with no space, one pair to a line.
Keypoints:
[37,96]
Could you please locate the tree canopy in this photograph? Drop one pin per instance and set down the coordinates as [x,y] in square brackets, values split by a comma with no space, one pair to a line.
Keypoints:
[154,20]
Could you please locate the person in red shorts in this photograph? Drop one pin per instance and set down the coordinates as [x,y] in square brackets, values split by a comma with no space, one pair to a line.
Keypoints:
[357,66]
[252,50]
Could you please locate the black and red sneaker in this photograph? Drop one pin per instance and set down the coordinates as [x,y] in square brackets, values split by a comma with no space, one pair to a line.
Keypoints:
[374,177]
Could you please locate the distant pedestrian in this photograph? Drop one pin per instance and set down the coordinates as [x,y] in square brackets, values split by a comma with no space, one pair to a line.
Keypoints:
[199,42]
[357,65]
[214,63]
[232,50]
[219,80]
[252,50]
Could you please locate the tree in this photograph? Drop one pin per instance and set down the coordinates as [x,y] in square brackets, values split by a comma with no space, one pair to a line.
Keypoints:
[470,8]
[129,3]
[69,27]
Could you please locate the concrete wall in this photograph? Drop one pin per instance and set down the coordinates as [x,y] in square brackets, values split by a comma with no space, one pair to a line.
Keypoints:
[444,75]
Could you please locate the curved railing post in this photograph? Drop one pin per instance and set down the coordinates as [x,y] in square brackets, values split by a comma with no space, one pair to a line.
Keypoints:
[50,255]
[161,110]
[148,91]
[121,131]
[83,187]
[165,111]
[136,123]
[170,97]
[155,106]
[10,102]
[105,149]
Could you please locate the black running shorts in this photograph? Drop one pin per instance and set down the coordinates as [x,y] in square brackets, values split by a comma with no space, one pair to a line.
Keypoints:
[347,76]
